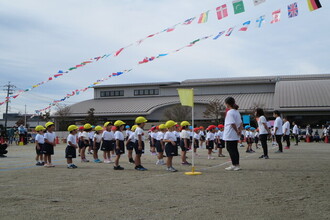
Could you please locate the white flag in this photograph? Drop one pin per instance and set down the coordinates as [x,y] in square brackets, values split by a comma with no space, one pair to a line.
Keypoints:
[258,2]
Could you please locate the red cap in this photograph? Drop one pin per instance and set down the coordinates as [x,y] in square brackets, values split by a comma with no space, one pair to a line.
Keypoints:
[81,128]
[211,127]
[221,126]
[196,129]
[113,128]
[153,128]
[177,125]
[201,127]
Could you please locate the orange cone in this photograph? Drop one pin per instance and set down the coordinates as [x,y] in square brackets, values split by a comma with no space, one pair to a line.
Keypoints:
[57,141]
[308,139]
[21,142]
[326,140]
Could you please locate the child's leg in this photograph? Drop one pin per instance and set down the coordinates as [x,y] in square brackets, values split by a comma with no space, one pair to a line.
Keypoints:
[95,156]
[117,160]
[105,155]
[112,152]
[37,158]
[137,159]
[169,161]
[69,161]
[209,153]
[50,159]
[82,153]
[220,151]
[183,156]
[108,156]
[129,154]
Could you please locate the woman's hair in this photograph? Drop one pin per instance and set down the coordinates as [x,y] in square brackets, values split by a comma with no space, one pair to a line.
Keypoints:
[231,102]
[259,112]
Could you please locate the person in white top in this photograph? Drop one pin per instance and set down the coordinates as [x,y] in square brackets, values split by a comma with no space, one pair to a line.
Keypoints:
[130,145]
[185,143]
[97,138]
[140,138]
[91,138]
[295,132]
[196,139]
[107,142]
[70,150]
[286,132]
[278,131]
[248,137]
[160,147]
[210,138]
[171,148]
[85,142]
[232,132]
[120,145]
[264,131]
[39,139]
[221,142]
[48,149]
[153,135]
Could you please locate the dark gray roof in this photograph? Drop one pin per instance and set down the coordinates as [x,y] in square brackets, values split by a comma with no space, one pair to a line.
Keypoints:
[138,84]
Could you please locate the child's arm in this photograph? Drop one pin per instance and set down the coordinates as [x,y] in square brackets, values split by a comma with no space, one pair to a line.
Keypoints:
[94,142]
[73,145]
[140,141]
[169,141]
[117,144]
[37,144]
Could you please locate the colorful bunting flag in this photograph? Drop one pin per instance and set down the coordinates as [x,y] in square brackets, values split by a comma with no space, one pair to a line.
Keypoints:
[118,52]
[229,31]
[203,17]
[276,16]
[293,10]
[245,26]
[258,2]
[238,6]
[219,35]
[222,12]
[189,21]
[260,20]
[314,4]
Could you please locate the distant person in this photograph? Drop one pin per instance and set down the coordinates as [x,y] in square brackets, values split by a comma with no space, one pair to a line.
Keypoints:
[286,132]
[295,132]
[263,131]
[70,151]
[139,146]
[185,142]
[48,149]
[21,132]
[40,141]
[120,145]
[202,133]
[210,138]
[278,131]
[232,132]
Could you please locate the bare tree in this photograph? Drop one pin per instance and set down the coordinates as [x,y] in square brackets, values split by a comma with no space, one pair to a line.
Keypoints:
[178,113]
[215,110]
[63,113]
[90,116]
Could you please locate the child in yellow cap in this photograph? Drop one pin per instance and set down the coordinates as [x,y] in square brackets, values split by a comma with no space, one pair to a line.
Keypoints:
[97,138]
[39,145]
[48,149]
[171,146]
[140,138]
[107,142]
[160,146]
[120,146]
[70,151]
[130,144]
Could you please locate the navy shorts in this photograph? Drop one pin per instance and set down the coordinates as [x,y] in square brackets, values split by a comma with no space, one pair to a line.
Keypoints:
[159,147]
[210,146]
[130,146]
[196,144]
[121,149]
[39,152]
[177,141]
[171,150]
[222,144]
[183,148]
[136,148]
[97,146]
[83,143]
[249,140]
[70,152]
[107,145]
[48,149]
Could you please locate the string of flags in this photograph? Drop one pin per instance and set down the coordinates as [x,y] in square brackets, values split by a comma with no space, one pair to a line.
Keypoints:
[292,10]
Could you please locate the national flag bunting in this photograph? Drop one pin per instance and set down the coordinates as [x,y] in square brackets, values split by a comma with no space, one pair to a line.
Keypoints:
[188,21]
[203,17]
[238,6]
[314,4]
[245,26]
[219,35]
[276,16]
[260,20]
[222,12]
[293,10]
[229,31]
[258,2]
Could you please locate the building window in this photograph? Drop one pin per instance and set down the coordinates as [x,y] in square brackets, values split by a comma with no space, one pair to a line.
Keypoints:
[140,92]
[112,93]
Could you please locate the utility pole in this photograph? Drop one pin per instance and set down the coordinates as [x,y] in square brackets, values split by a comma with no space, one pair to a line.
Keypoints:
[25,117]
[9,88]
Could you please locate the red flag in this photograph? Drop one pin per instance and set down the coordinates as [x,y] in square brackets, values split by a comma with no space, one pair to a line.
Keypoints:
[119,51]
[222,11]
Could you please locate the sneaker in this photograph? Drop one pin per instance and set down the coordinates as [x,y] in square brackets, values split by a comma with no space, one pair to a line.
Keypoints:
[266,157]
[131,161]
[51,165]
[237,168]
[89,152]
[158,162]
[74,166]
[252,151]
[221,155]
[140,168]
[143,169]
[186,163]
[230,168]
[171,169]
[107,161]
[278,151]
[118,168]
[46,165]
[70,166]
[38,164]
[262,156]
[97,161]
[247,151]
[210,158]
[287,148]
[241,145]
[42,163]
[162,162]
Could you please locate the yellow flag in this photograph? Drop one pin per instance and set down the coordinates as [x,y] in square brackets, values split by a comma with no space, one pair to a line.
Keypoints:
[186,97]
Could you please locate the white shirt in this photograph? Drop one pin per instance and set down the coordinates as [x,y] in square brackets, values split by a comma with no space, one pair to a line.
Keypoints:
[85,135]
[72,138]
[256,134]
[160,136]
[50,136]
[191,133]
[216,135]
[128,133]
[97,138]
[185,134]
[119,136]
[177,134]
[202,133]
[278,124]
[220,134]
[197,136]
[40,138]
[248,134]
[169,136]
[295,129]
[139,131]
[286,126]
[132,137]
[210,136]
[108,135]
[154,135]
[262,120]
[91,134]
[232,117]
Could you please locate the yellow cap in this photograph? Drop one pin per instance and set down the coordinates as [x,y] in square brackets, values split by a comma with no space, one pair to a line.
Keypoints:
[98,128]
[119,123]
[40,128]
[134,127]
[170,123]
[107,123]
[49,124]
[185,123]
[87,126]
[72,128]
[162,126]
[140,120]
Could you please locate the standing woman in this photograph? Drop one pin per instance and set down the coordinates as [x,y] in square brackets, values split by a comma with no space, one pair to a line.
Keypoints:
[232,132]
[263,131]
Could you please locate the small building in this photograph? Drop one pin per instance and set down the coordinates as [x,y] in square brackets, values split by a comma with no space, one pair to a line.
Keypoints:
[303,98]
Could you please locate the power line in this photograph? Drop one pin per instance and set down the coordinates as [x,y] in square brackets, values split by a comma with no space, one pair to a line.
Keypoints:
[9,88]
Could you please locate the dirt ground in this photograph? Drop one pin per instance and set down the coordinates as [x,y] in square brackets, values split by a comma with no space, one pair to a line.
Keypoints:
[292,185]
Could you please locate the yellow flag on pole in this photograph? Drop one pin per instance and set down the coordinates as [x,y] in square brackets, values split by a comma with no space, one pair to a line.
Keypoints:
[186,97]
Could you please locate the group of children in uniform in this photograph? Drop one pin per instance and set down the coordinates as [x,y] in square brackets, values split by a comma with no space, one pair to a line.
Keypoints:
[112,140]
[251,136]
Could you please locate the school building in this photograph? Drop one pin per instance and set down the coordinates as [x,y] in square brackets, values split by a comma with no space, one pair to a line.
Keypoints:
[303,98]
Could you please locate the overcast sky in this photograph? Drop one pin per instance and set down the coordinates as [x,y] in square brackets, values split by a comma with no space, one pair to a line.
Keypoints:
[40,37]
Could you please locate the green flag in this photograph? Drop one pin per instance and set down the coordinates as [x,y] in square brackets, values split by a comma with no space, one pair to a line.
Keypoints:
[238,6]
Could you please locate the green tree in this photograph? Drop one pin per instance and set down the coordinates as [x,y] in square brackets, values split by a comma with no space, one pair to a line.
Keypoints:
[90,117]
[215,110]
